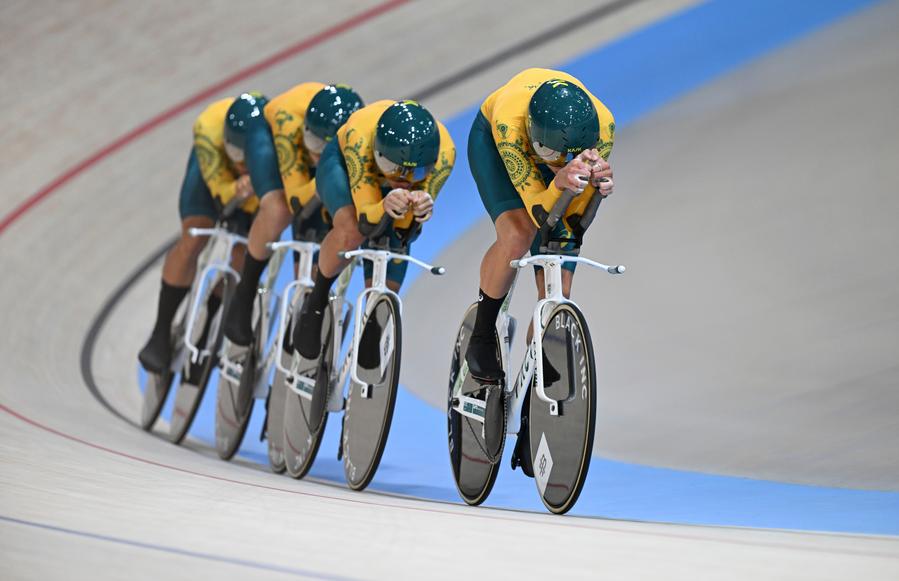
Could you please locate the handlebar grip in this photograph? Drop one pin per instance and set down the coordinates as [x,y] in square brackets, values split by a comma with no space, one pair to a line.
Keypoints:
[438,270]
[559,208]
[618,269]
[342,254]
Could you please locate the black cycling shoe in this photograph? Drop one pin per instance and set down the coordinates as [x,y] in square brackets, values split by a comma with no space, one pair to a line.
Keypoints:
[370,346]
[307,336]
[156,356]
[483,360]
[238,327]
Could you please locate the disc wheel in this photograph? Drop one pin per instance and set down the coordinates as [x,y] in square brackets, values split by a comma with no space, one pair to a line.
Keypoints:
[158,385]
[277,400]
[195,377]
[274,418]
[234,402]
[366,421]
[474,468]
[305,419]
[561,445]
[156,390]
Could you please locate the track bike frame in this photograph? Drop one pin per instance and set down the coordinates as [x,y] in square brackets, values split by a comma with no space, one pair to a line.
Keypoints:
[475,408]
[216,257]
[302,385]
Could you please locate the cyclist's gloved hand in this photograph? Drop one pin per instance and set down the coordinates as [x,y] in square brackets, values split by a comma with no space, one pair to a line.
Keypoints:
[422,205]
[397,202]
[573,176]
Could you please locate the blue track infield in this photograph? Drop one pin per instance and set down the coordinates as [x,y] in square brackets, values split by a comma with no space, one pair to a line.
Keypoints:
[633,76]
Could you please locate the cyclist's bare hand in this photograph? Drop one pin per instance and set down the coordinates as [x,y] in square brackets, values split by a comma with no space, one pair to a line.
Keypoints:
[606,186]
[244,187]
[422,205]
[573,176]
[397,202]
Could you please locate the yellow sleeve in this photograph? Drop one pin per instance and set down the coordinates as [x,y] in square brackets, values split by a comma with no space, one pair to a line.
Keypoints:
[217,174]
[444,166]
[606,129]
[364,183]
[526,178]
[292,162]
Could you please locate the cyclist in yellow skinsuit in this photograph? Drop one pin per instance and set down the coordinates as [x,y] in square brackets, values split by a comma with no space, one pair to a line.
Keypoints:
[213,178]
[379,177]
[302,121]
[539,134]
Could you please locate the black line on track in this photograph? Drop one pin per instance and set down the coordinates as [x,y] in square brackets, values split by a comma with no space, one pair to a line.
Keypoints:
[90,339]
[559,30]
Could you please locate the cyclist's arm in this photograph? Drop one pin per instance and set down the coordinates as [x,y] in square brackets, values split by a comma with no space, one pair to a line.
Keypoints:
[513,148]
[219,178]
[606,129]
[444,166]
[287,132]
[364,181]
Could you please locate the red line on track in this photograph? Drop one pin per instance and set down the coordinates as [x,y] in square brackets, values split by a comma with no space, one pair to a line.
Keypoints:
[203,95]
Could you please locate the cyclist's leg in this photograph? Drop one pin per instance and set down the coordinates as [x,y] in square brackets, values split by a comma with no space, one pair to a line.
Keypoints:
[333,186]
[273,217]
[197,210]
[514,232]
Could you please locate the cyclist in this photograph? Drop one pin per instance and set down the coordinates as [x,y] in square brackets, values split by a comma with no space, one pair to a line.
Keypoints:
[299,123]
[539,134]
[216,174]
[378,179]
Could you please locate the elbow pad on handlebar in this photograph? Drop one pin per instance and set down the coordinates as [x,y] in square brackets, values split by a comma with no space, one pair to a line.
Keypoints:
[551,239]
[540,215]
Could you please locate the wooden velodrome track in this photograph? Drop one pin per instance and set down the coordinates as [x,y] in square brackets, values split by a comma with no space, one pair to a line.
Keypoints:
[85,495]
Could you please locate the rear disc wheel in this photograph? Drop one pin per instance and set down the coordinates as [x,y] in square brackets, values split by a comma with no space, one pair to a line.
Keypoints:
[195,378]
[475,467]
[305,419]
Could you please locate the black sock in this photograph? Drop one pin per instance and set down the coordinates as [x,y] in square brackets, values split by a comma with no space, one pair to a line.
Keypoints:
[249,279]
[307,334]
[170,298]
[485,320]
[318,298]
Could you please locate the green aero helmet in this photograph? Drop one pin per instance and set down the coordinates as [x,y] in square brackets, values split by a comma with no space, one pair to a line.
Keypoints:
[244,108]
[562,121]
[327,111]
[407,142]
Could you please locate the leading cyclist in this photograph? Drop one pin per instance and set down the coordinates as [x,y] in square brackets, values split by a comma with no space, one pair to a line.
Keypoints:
[536,136]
